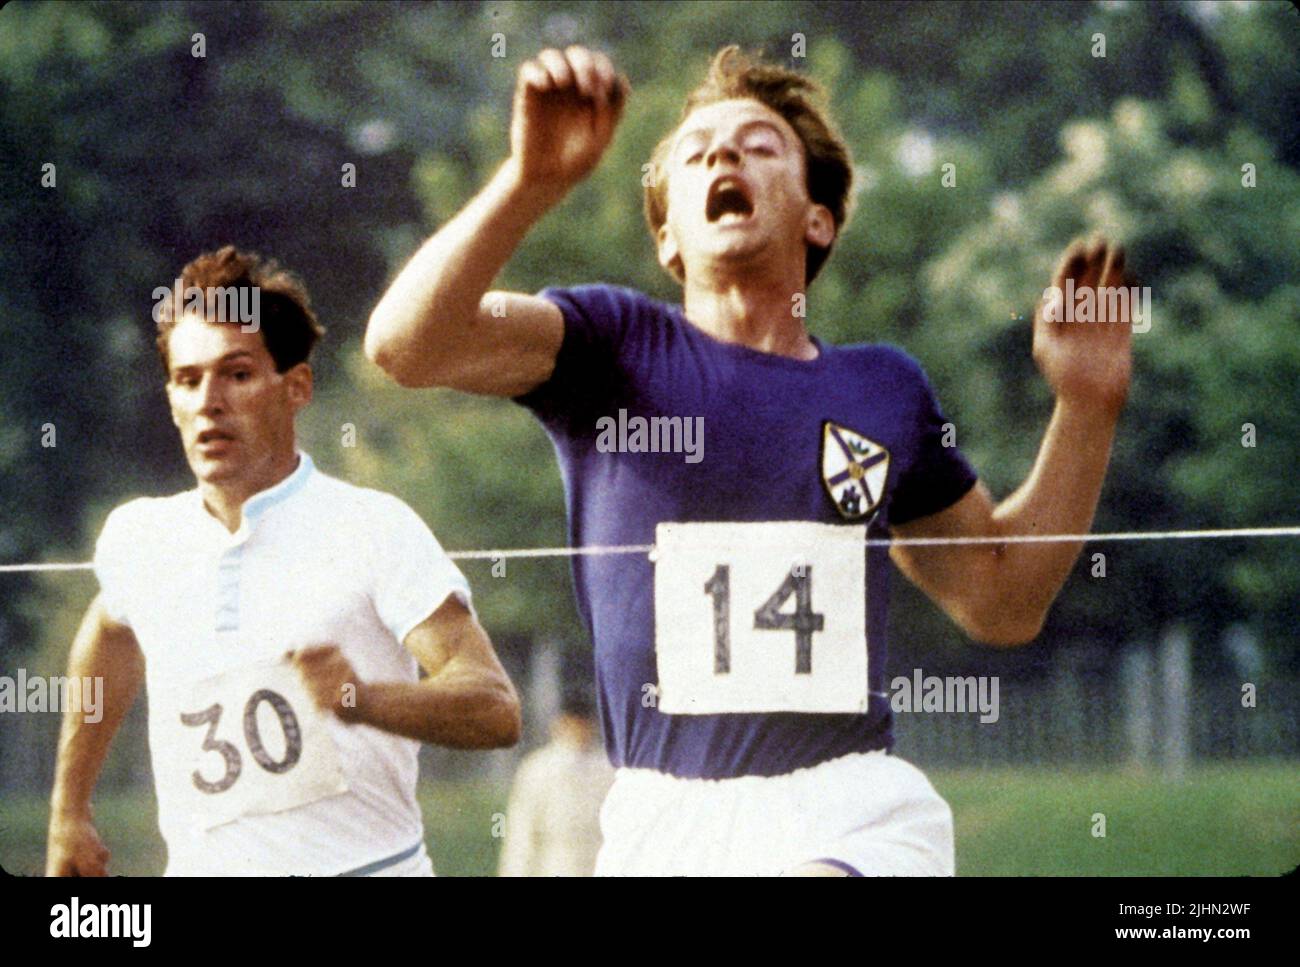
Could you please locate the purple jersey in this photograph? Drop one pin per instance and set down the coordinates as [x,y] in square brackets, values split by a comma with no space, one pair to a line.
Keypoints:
[778,439]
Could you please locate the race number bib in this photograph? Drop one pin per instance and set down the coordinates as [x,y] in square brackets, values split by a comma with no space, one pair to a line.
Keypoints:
[760,617]
[246,743]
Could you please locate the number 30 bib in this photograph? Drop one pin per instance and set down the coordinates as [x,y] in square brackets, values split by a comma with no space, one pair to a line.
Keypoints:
[248,742]
[760,617]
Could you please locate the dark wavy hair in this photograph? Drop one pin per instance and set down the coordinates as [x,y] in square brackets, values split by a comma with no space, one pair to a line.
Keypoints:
[286,320]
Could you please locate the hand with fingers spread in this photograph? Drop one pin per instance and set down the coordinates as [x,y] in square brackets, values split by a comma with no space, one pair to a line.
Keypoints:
[566,107]
[1088,363]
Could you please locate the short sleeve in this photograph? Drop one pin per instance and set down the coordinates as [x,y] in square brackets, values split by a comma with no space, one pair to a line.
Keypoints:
[410,572]
[586,380]
[937,476]
[112,568]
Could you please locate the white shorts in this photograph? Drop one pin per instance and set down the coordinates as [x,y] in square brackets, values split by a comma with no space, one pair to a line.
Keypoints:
[869,813]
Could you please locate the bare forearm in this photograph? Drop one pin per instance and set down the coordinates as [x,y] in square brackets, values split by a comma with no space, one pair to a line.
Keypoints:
[1059,497]
[458,709]
[1000,593]
[435,299]
[115,661]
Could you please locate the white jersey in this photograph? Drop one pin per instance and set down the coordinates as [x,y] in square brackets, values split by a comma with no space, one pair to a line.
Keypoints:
[251,778]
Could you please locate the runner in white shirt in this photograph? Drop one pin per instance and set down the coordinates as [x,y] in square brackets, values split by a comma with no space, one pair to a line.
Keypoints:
[279,617]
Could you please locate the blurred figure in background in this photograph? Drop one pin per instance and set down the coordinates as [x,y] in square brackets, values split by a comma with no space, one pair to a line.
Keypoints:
[553,815]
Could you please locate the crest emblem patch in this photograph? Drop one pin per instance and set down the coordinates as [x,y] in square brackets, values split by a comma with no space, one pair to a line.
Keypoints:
[854,470]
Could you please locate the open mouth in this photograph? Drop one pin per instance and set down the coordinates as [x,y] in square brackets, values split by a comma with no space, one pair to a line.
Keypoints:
[728,200]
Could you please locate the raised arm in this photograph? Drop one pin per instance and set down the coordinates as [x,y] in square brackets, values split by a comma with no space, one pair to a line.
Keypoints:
[108,651]
[438,325]
[466,702]
[1000,593]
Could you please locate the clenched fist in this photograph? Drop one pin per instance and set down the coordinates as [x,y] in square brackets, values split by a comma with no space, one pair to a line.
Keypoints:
[565,110]
[331,680]
[74,848]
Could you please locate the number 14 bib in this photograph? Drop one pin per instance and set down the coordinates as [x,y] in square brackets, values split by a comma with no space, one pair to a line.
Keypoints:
[760,617]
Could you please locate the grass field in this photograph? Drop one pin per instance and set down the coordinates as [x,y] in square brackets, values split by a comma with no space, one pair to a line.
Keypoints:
[1223,821]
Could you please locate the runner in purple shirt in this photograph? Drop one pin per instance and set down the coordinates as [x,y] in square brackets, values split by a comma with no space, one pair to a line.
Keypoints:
[764,421]
[740,672]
